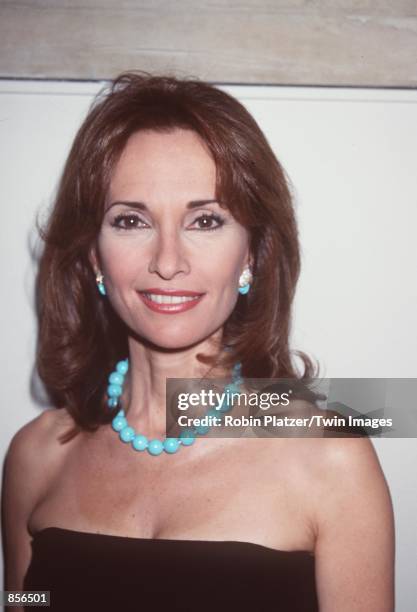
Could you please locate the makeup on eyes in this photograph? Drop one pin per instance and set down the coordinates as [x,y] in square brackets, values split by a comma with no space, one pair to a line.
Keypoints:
[128,219]
[136,222]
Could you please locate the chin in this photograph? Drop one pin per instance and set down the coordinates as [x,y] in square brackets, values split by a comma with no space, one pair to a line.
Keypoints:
[177,337]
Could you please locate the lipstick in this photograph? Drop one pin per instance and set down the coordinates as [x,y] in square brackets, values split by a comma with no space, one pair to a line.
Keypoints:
[170,301]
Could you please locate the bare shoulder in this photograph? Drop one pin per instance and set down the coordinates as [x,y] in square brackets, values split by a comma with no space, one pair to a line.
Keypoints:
[48,419]
[32,459]
[331,461]
[348,464]
[340,467]
[355,546]
[33,452]
[330,474]
[44,429]
[345,501]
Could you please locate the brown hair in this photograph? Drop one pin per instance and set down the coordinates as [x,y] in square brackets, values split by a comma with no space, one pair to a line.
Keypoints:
[80,336]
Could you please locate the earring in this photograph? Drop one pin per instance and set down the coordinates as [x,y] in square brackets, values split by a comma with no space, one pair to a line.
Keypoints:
[100,285]
[245,280]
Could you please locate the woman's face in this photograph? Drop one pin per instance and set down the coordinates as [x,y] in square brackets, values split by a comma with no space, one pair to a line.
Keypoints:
[164,231]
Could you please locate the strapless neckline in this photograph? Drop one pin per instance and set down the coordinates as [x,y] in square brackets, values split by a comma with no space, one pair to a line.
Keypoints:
[45,531]
[109,573]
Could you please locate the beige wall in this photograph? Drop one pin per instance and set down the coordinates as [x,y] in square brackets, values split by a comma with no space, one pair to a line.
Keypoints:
[320,42]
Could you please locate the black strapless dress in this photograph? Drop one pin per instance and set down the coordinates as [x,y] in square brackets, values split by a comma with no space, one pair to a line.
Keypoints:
[97,572]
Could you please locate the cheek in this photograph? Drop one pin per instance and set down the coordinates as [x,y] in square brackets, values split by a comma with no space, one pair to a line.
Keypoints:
[117,261]
[227,281]
[224,269]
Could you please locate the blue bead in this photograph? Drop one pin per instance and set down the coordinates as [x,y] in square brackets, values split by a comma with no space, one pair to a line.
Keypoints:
[118,423]
[101,288]
[232,388]
[155,447]
[112,402]
[114,390]
[171,445]
[243,290]
[237,368]
[140,442]
[127,434]
[213,413]
[187,437]
[122,366]
[116,378]
[226,405]
[202,429]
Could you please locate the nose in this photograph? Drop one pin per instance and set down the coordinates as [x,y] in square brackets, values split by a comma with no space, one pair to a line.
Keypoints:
[168,257]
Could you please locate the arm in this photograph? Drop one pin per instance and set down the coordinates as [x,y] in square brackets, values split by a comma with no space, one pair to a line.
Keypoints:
[355,539]
[22,481]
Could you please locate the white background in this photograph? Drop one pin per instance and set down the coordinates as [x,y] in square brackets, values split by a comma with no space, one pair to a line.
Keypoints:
[351,156]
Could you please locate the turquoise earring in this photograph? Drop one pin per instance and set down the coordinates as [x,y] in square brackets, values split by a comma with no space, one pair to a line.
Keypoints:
[100,285]
[245,281]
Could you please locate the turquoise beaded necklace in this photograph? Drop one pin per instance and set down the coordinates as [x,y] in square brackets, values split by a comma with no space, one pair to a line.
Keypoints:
[155,447]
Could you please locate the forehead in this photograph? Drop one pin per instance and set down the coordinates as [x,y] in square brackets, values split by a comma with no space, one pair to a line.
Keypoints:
[159,161]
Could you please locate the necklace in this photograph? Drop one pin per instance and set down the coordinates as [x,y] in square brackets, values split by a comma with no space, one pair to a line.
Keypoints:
[155,447]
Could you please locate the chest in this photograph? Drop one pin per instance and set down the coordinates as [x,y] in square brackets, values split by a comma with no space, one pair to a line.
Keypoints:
[230,492]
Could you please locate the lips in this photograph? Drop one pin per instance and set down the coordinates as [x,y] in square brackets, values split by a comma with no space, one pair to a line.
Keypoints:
[170,301]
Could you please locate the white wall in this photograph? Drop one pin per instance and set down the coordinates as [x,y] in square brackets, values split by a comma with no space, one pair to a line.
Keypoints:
[351,155]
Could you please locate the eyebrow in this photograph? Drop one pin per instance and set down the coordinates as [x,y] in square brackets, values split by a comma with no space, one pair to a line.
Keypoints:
[143,207]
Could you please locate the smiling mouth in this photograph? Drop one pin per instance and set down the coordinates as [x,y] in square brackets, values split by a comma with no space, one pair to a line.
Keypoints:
[165,303]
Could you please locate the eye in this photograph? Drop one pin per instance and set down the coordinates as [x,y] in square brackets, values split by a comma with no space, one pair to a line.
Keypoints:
[206,222]
[127,221]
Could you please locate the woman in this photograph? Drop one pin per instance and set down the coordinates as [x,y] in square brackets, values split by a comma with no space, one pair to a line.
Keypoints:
[172,251]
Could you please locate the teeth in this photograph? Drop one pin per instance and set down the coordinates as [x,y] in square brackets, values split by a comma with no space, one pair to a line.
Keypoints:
[169,299]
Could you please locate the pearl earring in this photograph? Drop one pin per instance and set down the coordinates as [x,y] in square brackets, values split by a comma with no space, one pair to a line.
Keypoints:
[100,285]
[245,280]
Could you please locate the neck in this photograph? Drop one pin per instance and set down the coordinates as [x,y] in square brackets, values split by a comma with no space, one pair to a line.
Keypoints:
[144,399]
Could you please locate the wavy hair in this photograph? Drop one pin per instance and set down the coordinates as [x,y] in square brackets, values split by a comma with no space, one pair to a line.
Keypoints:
[80,336]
